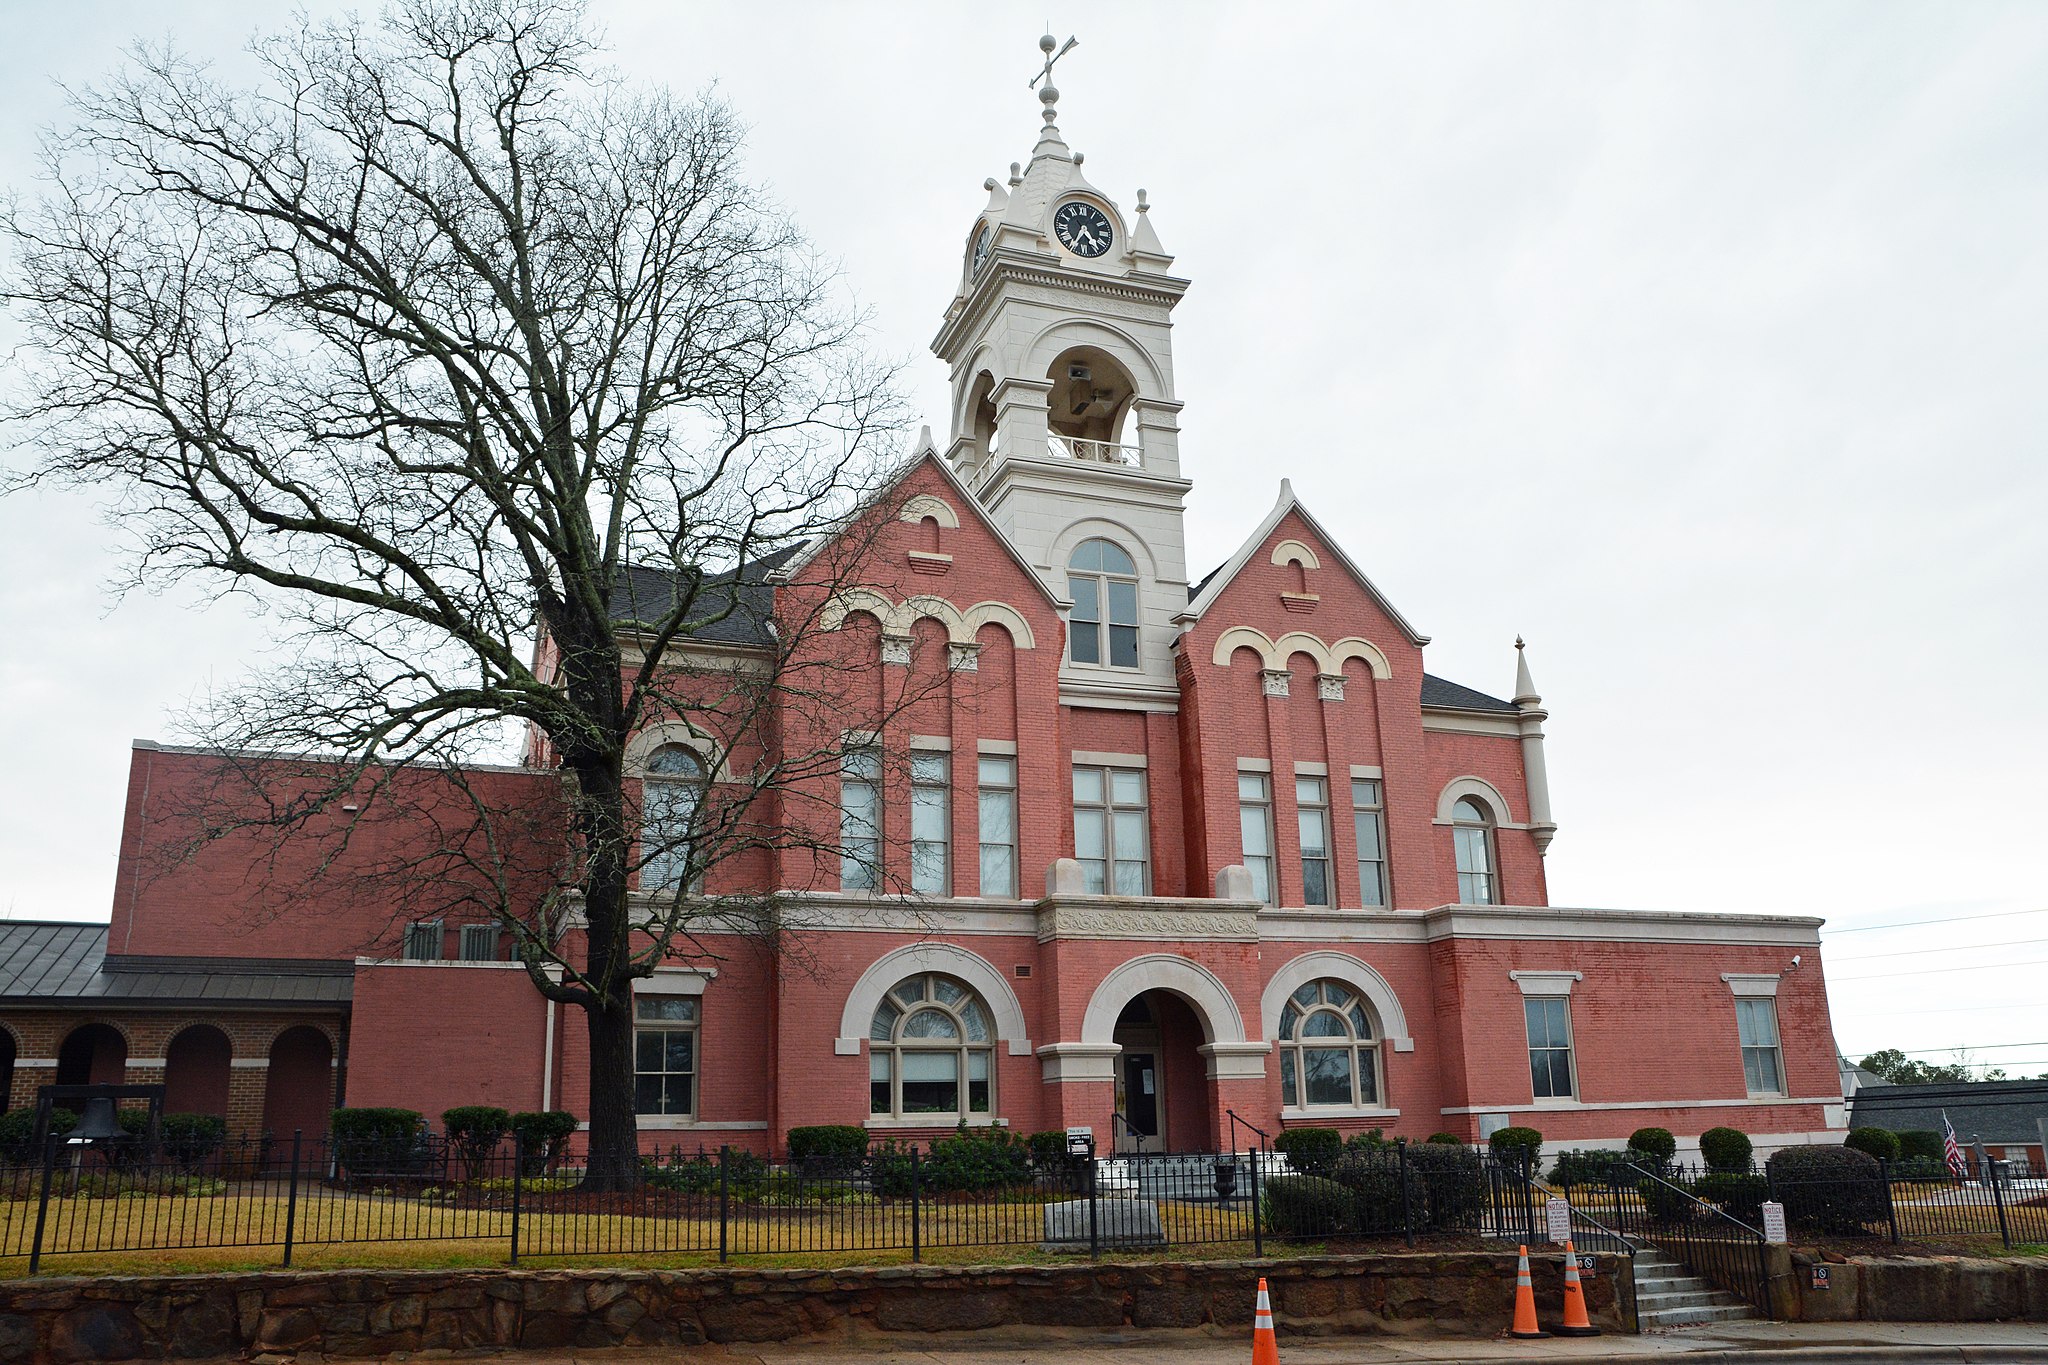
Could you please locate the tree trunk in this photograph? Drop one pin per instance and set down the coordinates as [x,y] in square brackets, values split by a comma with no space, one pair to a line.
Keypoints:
[614,1137]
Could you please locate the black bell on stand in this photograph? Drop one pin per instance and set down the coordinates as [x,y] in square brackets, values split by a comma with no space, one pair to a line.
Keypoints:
[98,1123]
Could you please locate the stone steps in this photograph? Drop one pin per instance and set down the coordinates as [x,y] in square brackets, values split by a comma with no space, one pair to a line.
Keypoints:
[1667,1295]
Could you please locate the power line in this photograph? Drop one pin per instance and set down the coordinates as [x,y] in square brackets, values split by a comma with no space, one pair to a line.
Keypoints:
[1952,948]
[1987,1047]
[1932,971]
[1915,923]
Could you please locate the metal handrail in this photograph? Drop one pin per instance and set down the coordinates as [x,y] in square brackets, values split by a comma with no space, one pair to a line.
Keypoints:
[1265,1140]
[1697,1202]
[1096,452]
[1692,1247]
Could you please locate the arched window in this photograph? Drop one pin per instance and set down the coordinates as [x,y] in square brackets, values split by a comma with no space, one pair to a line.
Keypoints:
[1103,582]
[931,1052]
[1472,838]
[1329,1049]
[673,789]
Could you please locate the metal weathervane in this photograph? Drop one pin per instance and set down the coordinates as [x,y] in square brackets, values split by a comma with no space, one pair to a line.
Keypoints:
[1046,45]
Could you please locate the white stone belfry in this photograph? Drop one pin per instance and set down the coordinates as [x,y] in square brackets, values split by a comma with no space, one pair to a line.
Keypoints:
[1065,422]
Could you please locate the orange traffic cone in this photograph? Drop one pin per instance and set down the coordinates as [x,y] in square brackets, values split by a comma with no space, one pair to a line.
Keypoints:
[1525,1326]
[1265,1346]
[1576,1323]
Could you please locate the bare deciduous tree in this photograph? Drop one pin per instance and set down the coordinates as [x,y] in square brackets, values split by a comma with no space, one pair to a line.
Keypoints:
[436,339]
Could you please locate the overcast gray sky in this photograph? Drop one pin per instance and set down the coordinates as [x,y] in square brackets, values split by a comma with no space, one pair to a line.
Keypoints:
[1702,344]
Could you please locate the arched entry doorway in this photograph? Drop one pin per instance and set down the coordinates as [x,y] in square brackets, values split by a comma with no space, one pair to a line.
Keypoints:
[1180,1050]
[93,1054]
[298,1092]
[196,1070]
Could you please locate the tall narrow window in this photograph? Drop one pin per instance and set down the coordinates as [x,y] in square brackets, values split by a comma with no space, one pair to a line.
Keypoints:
[1103,582]
[1756,1022]
[1109,830]
[1312,814]
[1550,1046]
[1329,1055]
[479,943]
[664,1054]
[1255,823]
[860,820]
[931,1052]
[1472,836]
[931,818]
[668,813]
[999,827]
[423,941]
[1368,818]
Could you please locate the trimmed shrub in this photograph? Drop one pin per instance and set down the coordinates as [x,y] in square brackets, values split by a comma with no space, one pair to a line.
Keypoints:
[1740,1194]
[1311,1151]
[828,1149]
[1655,1143]
[1668,1200]
[1054,1167]
[976,1159]
[189,1139]
[1881,1143]
[1727,1150]
[475,1130]
[1376,1179]
[1454,1179]
[1514,1145]
[1306,1205]
[1596,1166]
[18,1132]
[543,1136]
[1830,1189]
[371,1142]
[889,1169]
[1445,1139]
[1920,1144]
[1371,1140]
[746,1173]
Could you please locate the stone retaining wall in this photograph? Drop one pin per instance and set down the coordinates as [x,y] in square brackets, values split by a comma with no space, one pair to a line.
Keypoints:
[362,1313]
[1909,1289]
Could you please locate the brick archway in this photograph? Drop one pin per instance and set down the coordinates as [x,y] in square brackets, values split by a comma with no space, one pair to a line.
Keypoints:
[93,1054]
[196,1071]
[298,1092]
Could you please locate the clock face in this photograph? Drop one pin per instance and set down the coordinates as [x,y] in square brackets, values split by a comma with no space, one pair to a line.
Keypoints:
[982,241]
[1082,228]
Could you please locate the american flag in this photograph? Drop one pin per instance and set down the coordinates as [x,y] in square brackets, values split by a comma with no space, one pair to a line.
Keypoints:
[1951,1150]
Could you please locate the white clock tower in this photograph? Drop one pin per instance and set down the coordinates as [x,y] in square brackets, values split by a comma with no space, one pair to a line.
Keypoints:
[1065,422]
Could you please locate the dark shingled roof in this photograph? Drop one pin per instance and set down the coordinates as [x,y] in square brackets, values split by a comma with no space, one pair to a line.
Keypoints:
[1442,692]
[2000,1112]
[55,963]
[645,591]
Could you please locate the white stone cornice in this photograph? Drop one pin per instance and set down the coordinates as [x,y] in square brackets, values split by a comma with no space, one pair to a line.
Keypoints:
[1619,926]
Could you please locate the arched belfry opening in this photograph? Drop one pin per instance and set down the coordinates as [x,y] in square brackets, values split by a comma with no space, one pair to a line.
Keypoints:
[1088,404]
[981,410]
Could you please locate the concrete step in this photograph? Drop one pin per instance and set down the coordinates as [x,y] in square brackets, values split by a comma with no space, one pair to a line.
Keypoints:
[1695,1315]
[1671,1284]
[1692,1298]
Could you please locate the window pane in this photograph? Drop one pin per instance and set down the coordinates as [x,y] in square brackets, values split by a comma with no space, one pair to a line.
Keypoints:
[1087,643]
[1087,605]
[1287,1092]
[647,1050]
[1088,786]
[1367,823]
[1251,821]
[999,817]
[928,813]
[1359,1023]
[1328,1072]
[878,1083]
[1130,879]
[1127,786]
[998,772]
[1467,811]
[1262,878]
[931,1082]
[1130,833]
[647,1094]
[998,872]
[1094,876]
[1087,555]
[926,766]
[1368,1079]
[861,764]
[883,1027]
[1308,791]
[1323,1024]
[930,1024]
[672,1008]
[975,1021]
[1289,1018]
[681,1051]
[1090,840]
[1365,793]
[673,760]
[1538,1023]
[1114,557]
[1308,995]
[1315,836]
[1123,646]
[977,1082]
[947,991]
[910,991]
[928,868]
[1315,882]
[1251,787]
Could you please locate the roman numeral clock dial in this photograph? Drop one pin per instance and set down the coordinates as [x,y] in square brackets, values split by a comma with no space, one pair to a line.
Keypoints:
[1082,228]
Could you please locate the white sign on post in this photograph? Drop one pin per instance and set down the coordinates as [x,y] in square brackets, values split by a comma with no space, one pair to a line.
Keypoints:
[1560,1215]
[1774,1222]
[1080,1141]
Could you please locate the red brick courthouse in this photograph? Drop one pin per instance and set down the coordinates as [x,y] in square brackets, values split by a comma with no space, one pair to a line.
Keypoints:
[1174,847]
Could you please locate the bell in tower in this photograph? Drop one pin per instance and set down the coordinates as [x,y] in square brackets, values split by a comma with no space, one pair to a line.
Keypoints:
[1065,422]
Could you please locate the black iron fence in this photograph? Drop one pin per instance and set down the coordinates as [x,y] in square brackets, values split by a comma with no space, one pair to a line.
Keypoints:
[116,1196]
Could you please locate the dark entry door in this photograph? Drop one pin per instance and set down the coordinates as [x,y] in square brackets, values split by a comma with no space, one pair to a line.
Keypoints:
[1141,1097]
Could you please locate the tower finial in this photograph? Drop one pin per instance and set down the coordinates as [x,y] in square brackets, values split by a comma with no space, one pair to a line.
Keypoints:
[1049,140]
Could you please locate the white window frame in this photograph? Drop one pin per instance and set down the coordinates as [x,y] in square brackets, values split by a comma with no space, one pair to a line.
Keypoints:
[931,822]
[1473,851]
[1102,630]
[1115,857]
[860,835]
[1312,815]
[1568,1048]
[1255,813]
[1369,812]
[665,849]
[646,1002]
[996,776]
[889,1046]
[1367,1079]
[1766,1007]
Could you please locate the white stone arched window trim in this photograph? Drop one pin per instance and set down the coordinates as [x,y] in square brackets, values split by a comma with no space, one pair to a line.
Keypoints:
[898,617]
[947,959]
[1480,790]
[938,509]
[1063,545]
[1064,335]
[1230,1055]
[1294,552]
[683,735]
[1274,654]
[1354,972]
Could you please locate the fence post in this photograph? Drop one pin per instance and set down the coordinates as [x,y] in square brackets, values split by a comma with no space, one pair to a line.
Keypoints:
[916,1230]
[35,1251]
[291,1199]
[1891,1210]
[1407,1206]
[518,1170]
[1258,1229]
[724,1198]
[1998,1199]
[1528,1193]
